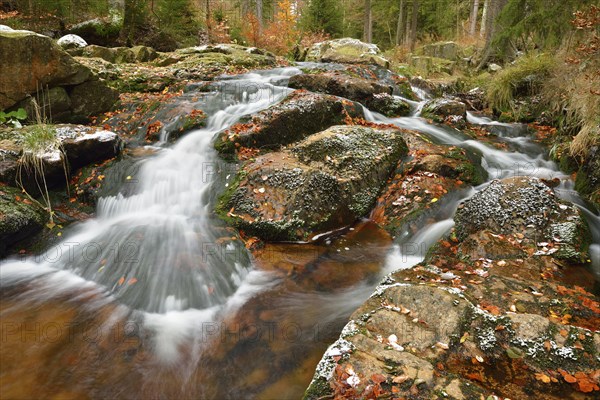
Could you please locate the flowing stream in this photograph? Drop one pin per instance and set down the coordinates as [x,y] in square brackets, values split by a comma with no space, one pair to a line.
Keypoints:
[178,312]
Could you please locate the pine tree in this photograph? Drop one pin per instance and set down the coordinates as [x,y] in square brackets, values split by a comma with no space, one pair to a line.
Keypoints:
[323,15]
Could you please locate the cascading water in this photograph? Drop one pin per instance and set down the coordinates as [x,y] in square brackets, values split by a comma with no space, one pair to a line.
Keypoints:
[157,251]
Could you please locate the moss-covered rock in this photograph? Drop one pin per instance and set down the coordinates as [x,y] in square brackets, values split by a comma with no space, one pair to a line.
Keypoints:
[356,89]
[91,98]
[389,106]
[324,182]
[297,116]
[346,50]
[29,61]
[19,217]
[527,207]
[441,108]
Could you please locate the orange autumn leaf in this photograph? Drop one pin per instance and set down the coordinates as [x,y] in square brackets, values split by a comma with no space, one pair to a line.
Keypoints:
[132,281]
[542,377]
[121,281]
[567,376]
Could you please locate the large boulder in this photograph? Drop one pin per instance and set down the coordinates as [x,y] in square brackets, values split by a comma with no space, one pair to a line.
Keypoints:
[443,109]
[370,93]
[444,50]
[528,208]
[92,98]
[324,182]
[30,62]
[103,32]
[346,50]
[297,116]
[19,217]
[356,89]
[72,146]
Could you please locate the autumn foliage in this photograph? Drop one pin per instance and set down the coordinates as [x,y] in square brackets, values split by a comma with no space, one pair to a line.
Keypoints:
[279,36]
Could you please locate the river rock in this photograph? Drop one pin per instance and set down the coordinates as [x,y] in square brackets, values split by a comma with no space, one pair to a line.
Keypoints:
[444,50]
[30,61]
[346,50]
[91,98]
[98,31]
[411,340]
[442,108]
[19,217]
[321,183]
[71,42]
[297,116]
[388,105]
[526,207]
[356,89]
[370,93]
[75,146]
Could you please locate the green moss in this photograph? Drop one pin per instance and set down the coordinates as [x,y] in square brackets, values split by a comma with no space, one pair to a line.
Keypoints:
[224,202]
[224,146]
[319,389]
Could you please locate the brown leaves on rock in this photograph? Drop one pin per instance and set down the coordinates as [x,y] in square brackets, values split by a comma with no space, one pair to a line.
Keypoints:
[581,381]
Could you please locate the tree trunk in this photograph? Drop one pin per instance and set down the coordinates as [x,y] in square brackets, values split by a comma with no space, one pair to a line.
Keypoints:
[400,20]
[494,9]
[368,29]
[129,22]
[483,29]
[208,21]
[474,13]
[259,12]
[408,24]
[413,24]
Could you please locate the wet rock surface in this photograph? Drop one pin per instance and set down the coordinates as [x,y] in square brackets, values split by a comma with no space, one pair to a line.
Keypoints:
[20,217]
[442,110]
[372,94]
[322,183]
[74,147]
[530,208]
[466,325]
[299,115]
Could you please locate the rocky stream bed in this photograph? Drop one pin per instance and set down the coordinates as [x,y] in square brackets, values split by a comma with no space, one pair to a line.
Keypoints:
[237,227]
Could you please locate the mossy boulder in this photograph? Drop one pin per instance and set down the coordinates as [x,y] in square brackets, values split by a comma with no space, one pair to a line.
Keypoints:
[91,98]
[441,108]
[346,50]
[299,115]
[369,92]
[29,61]
[444,50]
[527,207]
[388,105]
[225,54]
[323,182]
[74,146]
[356,89]
[98,31]
[19,217]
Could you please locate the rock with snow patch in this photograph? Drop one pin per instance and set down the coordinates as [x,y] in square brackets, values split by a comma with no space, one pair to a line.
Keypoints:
[71,42]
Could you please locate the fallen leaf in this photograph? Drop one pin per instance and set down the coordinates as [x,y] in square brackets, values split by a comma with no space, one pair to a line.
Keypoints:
[542,377]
